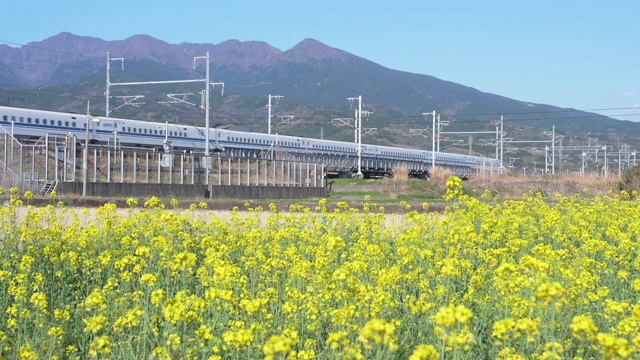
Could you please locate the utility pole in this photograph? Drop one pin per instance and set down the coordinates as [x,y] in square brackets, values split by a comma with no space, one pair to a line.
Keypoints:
[605,162]
[277,97]
[553,149]
[438,134]
[85,153]
[358,131]
[560,156]
[433,138]
[206,106]
[206,116]
[109,59]
[497,123]
[501,143]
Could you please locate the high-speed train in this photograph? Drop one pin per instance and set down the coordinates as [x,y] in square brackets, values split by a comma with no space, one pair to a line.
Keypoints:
[29,123]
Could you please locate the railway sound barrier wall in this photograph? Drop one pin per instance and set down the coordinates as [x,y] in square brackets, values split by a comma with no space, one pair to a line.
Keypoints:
[145,190]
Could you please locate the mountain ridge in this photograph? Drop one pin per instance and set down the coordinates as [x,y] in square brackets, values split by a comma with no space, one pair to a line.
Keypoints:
[314,78]
[228,57]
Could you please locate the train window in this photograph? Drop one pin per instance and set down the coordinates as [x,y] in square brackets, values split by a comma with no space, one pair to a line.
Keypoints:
[44,121]
[59,123]
[21,119]
[13,118]
[145,131]
[37,121]
[66,123]
[4,118]
[72,124]
[29,120]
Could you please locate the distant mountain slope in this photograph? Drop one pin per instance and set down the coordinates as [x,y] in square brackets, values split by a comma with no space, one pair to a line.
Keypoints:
[64,71]
[311,71]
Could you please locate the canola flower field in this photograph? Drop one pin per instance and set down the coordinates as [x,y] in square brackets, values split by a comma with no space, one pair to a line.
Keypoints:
[515,280]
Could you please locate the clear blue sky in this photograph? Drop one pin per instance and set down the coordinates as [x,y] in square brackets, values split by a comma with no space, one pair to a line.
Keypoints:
[578,54]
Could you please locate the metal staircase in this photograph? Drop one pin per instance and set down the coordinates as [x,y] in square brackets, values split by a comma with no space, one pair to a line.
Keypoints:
[48,187]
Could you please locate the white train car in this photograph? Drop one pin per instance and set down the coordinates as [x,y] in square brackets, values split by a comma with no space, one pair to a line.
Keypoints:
[377,159]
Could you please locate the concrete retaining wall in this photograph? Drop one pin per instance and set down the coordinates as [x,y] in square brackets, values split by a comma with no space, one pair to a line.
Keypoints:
[100,189]
[266,192]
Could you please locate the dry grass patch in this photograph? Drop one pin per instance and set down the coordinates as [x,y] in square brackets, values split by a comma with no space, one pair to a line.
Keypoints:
[513,186]
[399,180]
[401,173]
[440,175]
